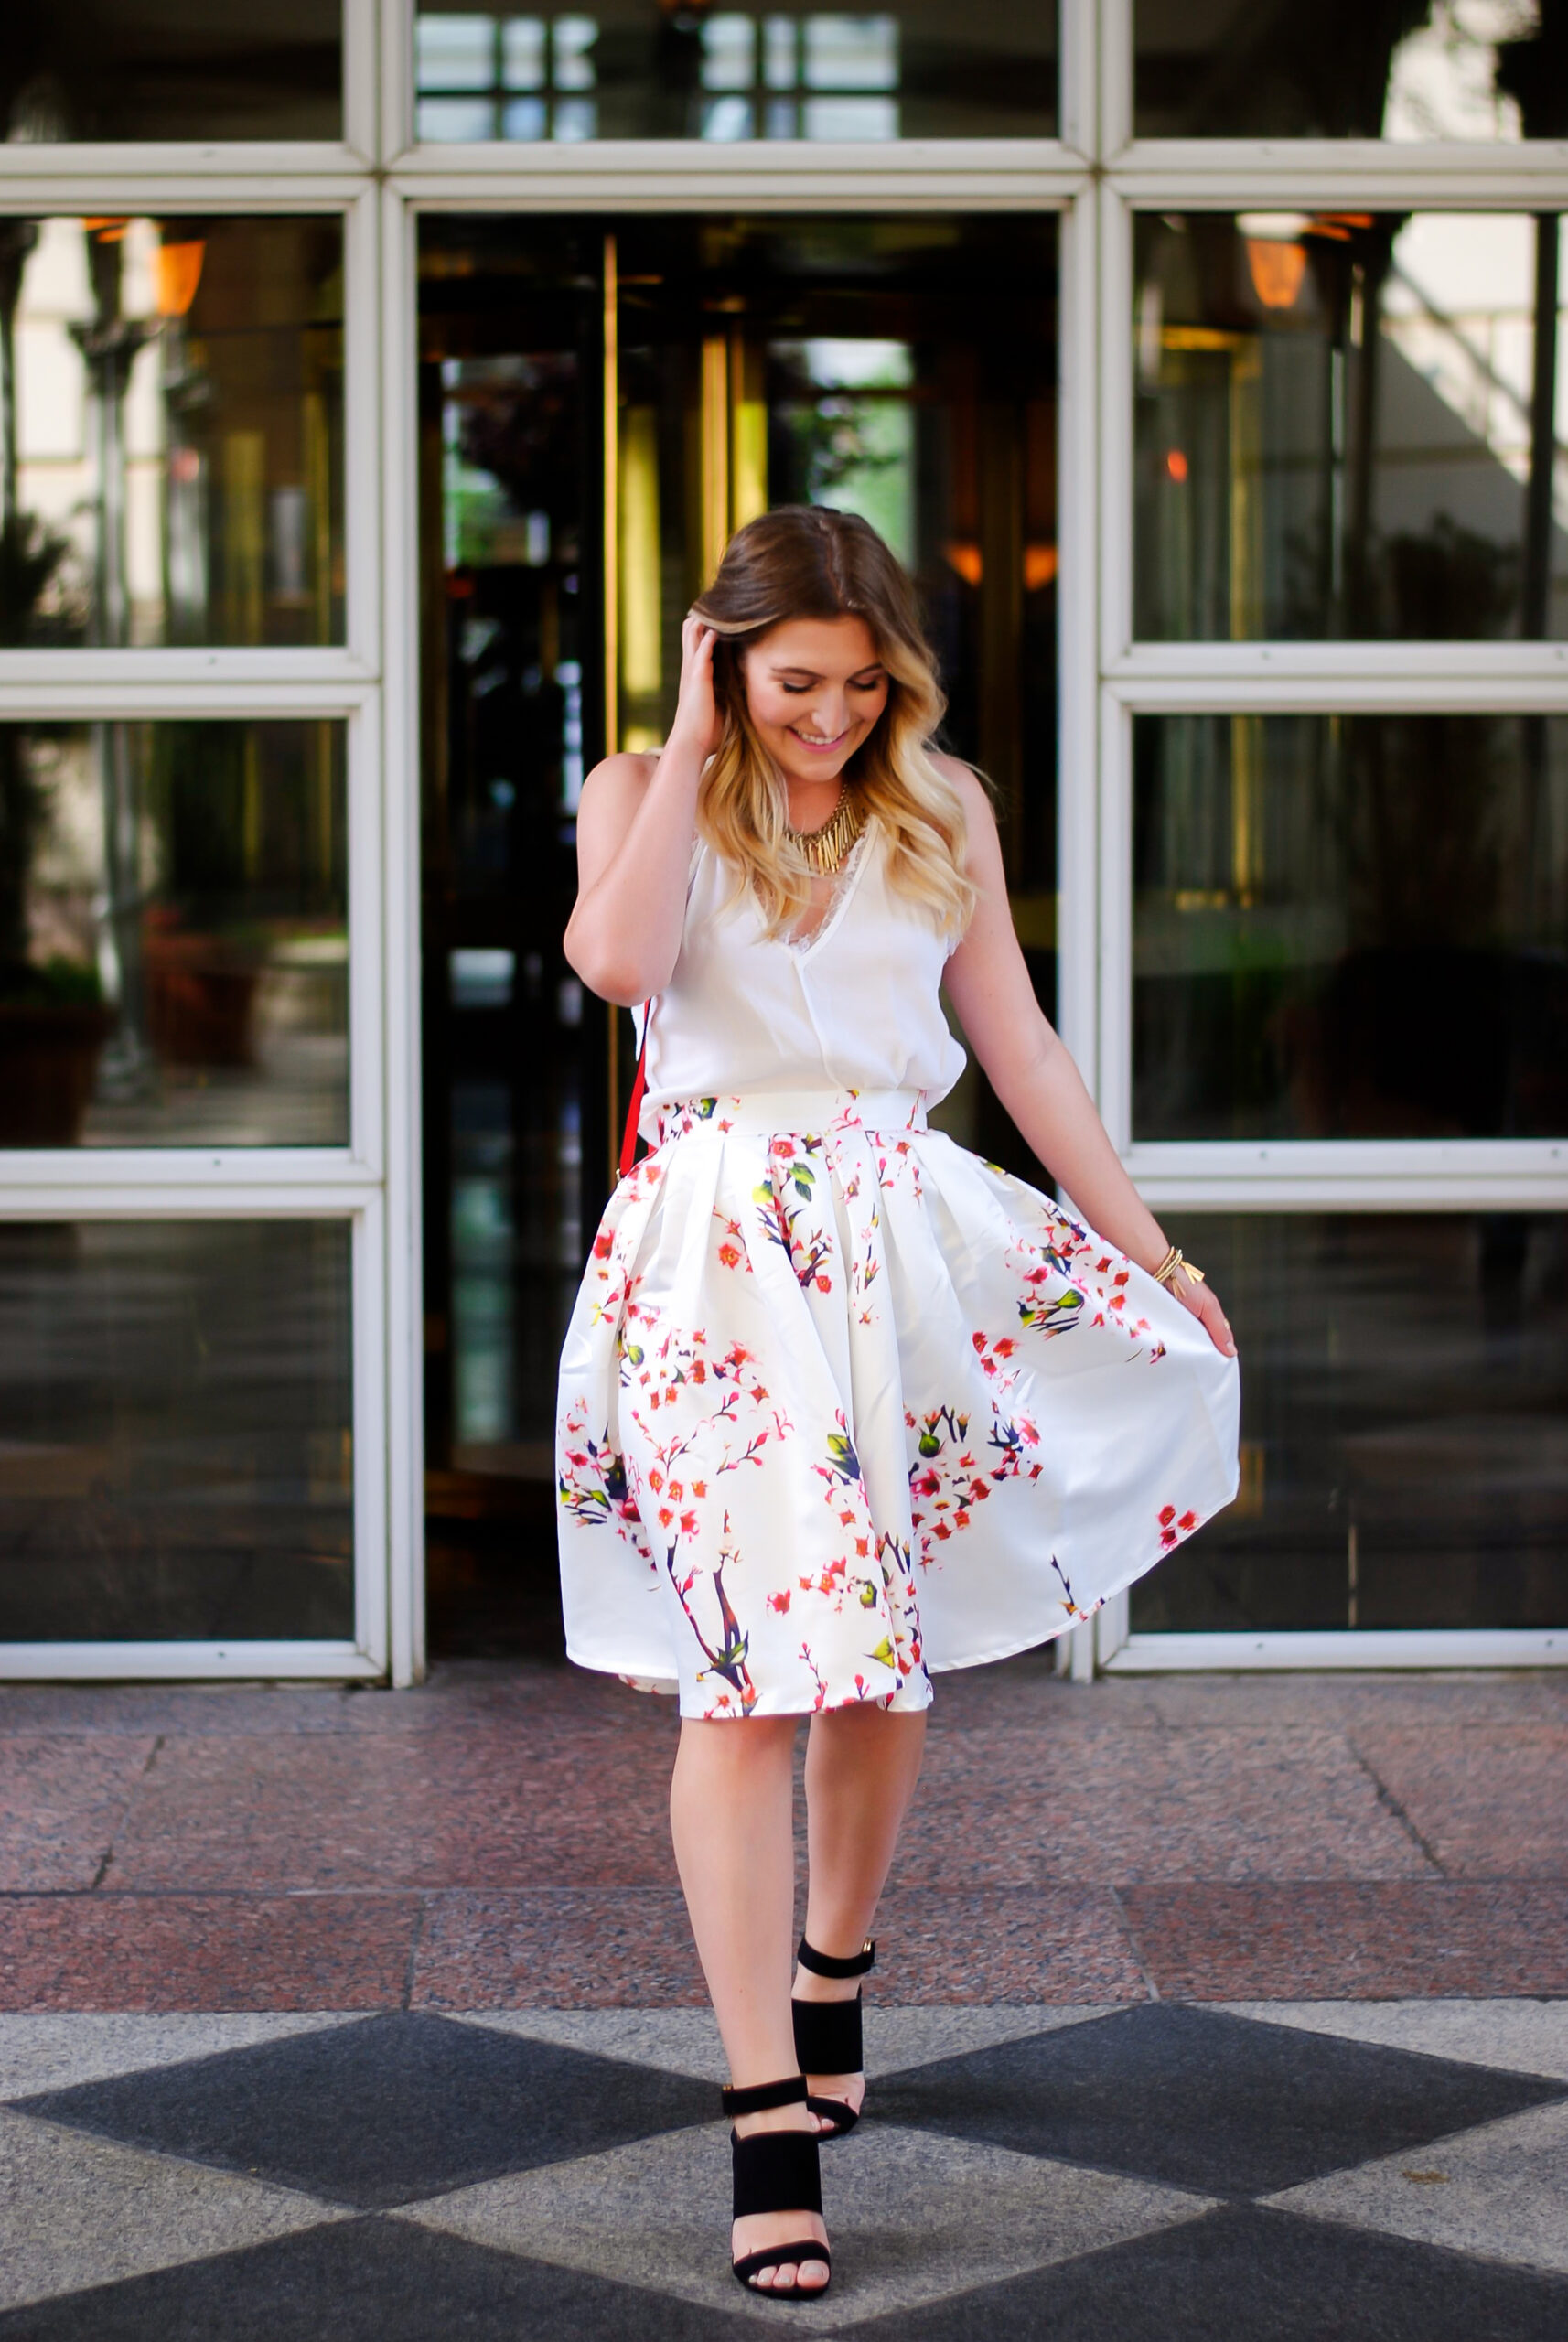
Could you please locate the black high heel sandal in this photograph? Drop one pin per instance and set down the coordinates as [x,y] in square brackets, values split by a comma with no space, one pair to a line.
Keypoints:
[828,2032]
[776,2171]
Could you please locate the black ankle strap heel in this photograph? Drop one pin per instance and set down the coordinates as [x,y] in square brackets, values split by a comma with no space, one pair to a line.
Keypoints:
[823,1963]
[828,2032]
[776,2171]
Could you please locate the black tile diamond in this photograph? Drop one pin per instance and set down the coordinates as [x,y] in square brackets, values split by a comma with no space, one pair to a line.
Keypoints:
[1202,2099]
[368,2281]
[387,2111]
[1246,2274]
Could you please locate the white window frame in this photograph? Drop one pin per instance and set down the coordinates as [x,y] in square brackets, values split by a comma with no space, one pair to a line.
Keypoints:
[351,1184]
[1093,176]
[360,1657]
[1135,678]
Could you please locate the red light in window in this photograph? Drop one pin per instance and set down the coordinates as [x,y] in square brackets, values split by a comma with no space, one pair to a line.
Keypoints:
[1278,269]
[1175,463]
[176,273]
[1039,566]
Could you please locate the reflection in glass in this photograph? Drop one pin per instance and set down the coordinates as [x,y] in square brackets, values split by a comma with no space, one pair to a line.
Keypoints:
[1350,426]
[170,69]
[174,947]
[925,69]
[171,460]
[1350,927]
[1350,69]
[845,414]
[1404,1426]
[176,1431]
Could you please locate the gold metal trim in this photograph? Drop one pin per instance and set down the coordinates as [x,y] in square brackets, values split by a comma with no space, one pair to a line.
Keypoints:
[714,451]
[748,430]
[611,497]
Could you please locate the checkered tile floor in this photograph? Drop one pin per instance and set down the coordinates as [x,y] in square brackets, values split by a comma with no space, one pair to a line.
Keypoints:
[1395,2172]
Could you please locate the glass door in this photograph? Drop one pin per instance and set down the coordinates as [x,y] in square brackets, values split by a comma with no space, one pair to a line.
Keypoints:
[601,404]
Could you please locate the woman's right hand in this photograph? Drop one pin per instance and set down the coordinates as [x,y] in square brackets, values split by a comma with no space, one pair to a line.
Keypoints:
[697,720]
[1199,1295]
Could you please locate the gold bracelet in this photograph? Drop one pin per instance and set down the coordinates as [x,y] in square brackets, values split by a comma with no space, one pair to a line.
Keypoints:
[1176,1259]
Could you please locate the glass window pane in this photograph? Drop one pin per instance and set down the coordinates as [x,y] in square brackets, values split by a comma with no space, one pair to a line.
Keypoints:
[172,455]
[1350,927]
[1350,425]
[171,68]
[454,52]
[927,68]
[174,940]
[1404,1426]
[176,1431]
[1271,68]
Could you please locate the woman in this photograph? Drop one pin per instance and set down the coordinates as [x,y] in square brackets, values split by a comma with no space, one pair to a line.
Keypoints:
[841,1405]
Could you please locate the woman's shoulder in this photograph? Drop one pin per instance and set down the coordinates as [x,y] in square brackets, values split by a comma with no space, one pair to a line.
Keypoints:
[611,795]
[978,799]
[626,772]
[974,792]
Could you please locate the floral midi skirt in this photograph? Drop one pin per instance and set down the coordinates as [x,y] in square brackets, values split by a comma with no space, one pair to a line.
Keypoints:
[842,1405]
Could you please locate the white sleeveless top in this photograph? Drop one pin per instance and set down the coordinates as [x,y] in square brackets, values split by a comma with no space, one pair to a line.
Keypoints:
[855,1006]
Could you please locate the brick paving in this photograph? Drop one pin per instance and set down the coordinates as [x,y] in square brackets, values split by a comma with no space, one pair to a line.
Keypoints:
[497,1840]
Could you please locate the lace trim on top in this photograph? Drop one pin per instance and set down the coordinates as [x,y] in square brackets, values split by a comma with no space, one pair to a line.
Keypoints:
[834,907]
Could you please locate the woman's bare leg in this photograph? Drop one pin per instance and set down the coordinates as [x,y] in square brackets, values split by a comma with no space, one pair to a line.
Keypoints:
[731,1817]
[862,1764]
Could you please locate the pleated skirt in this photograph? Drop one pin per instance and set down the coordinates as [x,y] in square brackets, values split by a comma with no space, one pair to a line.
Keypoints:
[842,1406]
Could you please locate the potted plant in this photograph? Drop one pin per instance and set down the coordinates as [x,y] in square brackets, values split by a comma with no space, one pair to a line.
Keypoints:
[53,1026]
[201,991]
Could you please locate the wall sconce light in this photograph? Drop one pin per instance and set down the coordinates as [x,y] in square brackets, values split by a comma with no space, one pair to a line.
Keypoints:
[176,273]
[1276,258]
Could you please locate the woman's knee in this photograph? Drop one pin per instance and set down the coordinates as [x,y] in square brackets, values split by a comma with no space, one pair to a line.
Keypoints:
[744,1745]
[865,1725]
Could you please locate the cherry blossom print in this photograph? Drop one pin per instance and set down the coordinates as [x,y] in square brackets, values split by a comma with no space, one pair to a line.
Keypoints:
[1175,1526]
[726,1656]
[592,1486]
[785,1204]
[843,1406]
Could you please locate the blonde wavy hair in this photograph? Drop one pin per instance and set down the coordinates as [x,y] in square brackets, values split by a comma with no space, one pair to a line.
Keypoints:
[807,561]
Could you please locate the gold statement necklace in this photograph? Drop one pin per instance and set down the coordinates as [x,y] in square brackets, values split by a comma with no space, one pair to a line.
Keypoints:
[824,849]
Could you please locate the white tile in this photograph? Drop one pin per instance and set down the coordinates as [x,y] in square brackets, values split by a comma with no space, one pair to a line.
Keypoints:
[680,2041]
[898,2038]
[1501,2191]
[686,2041]
[914,2218]
[1518,2037]
[82,2211]
[38,2053]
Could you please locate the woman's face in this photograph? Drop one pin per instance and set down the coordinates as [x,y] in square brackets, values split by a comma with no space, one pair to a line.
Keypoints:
[815,688]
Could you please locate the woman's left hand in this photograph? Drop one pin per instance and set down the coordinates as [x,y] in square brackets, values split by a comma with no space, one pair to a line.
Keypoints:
[1203,1304]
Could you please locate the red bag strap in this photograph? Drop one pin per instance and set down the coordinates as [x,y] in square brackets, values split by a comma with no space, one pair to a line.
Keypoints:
[634,1112]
